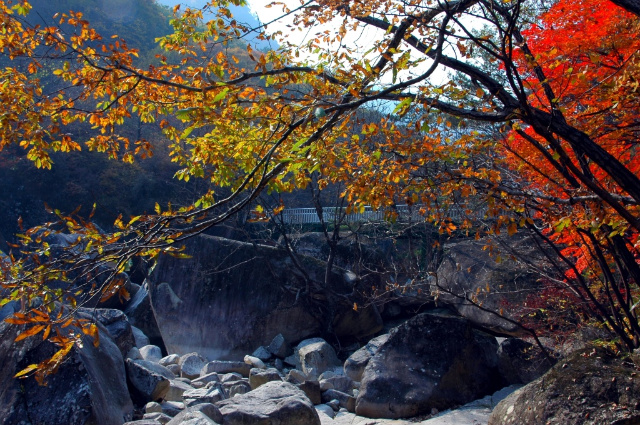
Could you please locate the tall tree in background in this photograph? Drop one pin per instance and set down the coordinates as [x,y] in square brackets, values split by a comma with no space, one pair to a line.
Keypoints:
[562,160]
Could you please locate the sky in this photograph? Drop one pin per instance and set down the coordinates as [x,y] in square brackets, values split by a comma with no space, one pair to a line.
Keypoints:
[241,14]
[257,13]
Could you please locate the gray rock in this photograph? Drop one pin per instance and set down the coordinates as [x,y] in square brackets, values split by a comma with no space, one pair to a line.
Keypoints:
[172,408]
[331,373]
[133,354]
[149,380]
[175,369]
[151,353]
[90,385]
[143,422]
[170,359]
[231,377]
[316,356]
[279,347]
[140,338]
[274,403]
[590,387]
[157,416]
[221,367]
[262,353]
[258,377]
[326,409]
[333,405]
[152,407]
[312,390]
[176,389]
[206,378]
[191,364]
[296,377]
[203,395]
[347,401]
[237,388]
[340,383]
[354,366]
[141,315]
[118,327]
[200,414]
[429,361]
[278,364]
[196,418]
[292,360]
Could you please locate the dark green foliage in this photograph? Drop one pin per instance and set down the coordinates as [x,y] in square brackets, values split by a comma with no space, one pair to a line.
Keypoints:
[139,22]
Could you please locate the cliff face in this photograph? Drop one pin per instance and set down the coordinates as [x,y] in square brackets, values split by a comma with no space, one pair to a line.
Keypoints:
[231,296]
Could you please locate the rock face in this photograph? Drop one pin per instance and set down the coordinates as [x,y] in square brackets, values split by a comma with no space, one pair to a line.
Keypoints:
[274,403]
[430,361]
[140,315]
[521,362]
[590,387]
[468,267]
[89,388]
[249,292]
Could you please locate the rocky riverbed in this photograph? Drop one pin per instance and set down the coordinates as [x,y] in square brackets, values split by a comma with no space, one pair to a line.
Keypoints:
[235,346]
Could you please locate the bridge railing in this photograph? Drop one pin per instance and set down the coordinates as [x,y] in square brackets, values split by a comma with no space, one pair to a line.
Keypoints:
[404,213]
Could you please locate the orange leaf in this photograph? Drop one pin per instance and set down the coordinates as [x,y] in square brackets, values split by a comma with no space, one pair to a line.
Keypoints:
[29,332]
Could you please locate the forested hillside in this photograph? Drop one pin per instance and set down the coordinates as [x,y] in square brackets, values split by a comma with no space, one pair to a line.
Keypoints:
[87,177]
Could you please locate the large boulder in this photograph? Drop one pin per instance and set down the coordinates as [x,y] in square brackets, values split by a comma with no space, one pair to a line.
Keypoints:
[191,364]
[118,327]
[590,387]
[252,293]
[430,361]
[149,380]
[356,363]
[88,388]
[316,356]
[274,403]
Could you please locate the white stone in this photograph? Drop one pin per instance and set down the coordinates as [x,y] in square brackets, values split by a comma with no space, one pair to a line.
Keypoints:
[151,353]
[254,362]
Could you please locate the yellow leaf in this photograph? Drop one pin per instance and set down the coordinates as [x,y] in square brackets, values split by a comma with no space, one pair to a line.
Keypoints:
[26,370]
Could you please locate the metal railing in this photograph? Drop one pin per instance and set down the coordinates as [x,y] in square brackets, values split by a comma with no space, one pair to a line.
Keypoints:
[402,213]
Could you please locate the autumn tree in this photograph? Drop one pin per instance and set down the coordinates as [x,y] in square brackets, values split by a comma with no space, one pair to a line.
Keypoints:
[563,159]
